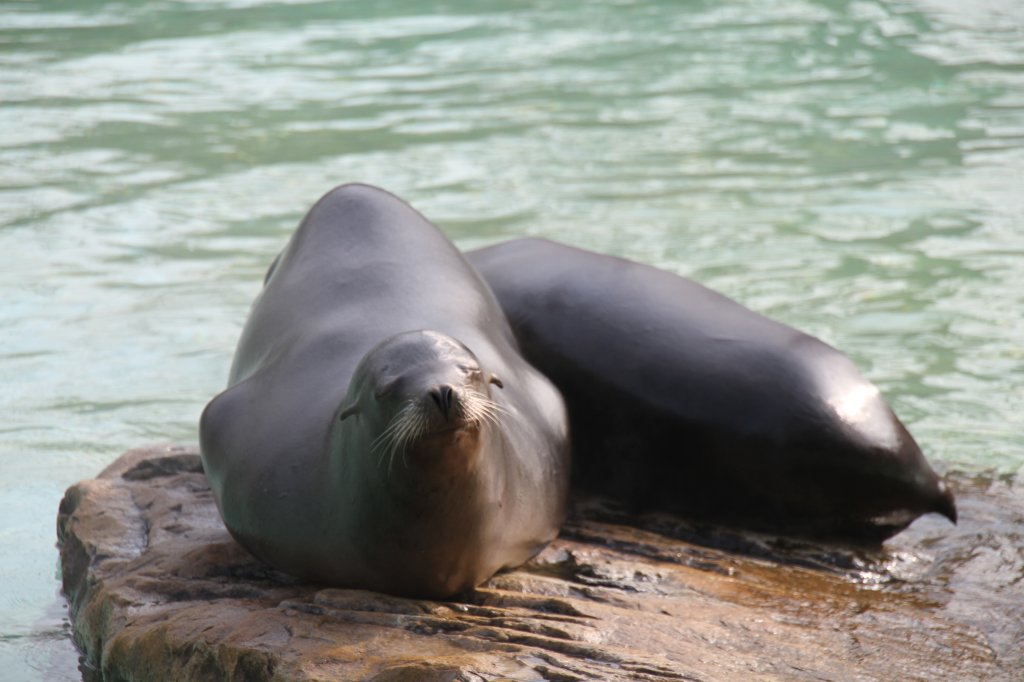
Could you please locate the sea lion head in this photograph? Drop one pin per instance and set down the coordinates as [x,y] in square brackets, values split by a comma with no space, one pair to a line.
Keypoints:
[425,398]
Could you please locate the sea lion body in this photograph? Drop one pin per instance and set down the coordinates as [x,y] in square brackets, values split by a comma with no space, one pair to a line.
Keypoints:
[380,429]
[683,400]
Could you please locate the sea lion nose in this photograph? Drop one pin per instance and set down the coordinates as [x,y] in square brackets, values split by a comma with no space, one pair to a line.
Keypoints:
[444,397]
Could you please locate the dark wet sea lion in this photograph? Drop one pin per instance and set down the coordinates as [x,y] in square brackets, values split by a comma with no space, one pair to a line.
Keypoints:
[380,429]
[683,400]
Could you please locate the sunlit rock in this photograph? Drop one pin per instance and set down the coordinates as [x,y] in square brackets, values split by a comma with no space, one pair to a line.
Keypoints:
[158,590]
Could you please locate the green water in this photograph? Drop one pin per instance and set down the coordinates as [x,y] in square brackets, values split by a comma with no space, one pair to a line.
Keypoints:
[855,169]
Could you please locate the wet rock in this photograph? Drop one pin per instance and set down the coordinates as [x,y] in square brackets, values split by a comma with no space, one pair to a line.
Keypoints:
[159,591]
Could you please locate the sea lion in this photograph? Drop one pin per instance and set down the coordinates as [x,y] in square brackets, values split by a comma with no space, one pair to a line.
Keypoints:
[380,428]
[683,400]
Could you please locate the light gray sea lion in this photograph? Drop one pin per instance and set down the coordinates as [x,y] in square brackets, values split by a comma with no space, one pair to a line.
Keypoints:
[683,400]
[380,429]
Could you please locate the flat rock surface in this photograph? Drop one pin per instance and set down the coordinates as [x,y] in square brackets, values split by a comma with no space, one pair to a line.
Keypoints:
[158,590]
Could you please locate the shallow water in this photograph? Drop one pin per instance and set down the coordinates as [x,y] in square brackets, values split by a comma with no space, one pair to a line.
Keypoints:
[853,168]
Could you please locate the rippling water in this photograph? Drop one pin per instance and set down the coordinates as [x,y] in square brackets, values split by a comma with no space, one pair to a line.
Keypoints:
[853,168]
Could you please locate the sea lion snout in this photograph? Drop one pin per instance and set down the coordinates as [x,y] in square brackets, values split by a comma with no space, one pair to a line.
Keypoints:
[447,400]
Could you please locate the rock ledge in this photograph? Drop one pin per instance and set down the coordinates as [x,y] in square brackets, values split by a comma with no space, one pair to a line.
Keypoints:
[158,590]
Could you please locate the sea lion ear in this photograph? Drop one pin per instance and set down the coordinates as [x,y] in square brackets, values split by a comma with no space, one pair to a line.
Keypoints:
[348,412]
[494,379]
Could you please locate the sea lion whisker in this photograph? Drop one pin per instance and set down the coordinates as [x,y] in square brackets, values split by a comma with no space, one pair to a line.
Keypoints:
[479,411]
[392,435]
[486,402]
[381,445]
[386,433]
[481,408]
[494,417]
[410,428]
[399,437]
[383,441]
[415,429]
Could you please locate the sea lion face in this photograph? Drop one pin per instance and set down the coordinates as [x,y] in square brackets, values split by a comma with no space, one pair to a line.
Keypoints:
[426,399]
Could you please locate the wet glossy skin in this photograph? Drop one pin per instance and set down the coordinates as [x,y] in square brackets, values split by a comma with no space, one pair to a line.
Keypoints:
[380,429]
[681,399]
